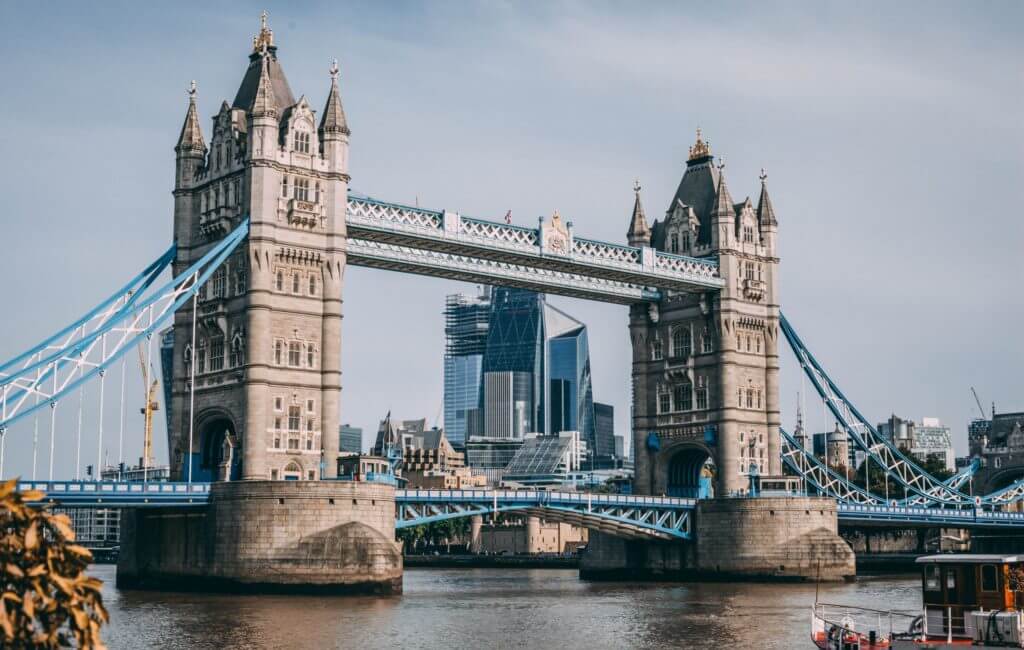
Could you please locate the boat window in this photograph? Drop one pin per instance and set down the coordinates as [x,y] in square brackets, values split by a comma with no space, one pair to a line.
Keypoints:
[931,578]
[950,579]
[989,581]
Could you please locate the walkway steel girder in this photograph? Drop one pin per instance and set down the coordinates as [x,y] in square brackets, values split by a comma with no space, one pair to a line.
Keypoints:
[61,370]
[391,257]
[635,517]
[120,494]
[448,232]
[890,516]
[880,450]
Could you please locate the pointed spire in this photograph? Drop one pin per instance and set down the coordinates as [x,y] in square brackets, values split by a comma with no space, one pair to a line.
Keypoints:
[265,37]
[191,138]
[765,212]
[639,232]
[701,149]
[263,102]
[333,120]
[723,201]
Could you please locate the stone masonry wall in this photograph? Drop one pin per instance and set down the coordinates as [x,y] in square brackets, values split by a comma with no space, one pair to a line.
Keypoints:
[268,536]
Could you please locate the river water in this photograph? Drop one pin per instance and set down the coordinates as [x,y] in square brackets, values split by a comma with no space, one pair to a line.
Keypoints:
[493,608]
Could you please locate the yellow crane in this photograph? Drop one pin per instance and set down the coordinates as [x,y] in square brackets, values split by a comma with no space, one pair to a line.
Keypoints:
[147,411]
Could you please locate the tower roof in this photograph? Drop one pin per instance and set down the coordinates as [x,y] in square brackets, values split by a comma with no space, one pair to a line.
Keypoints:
[724,206]
[638,228]
[765,212]
[191,137]
[263,101]
[264,49]
[333,120]
[698,189]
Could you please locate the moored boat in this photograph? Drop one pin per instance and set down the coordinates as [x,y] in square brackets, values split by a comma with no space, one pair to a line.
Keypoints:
[969,601]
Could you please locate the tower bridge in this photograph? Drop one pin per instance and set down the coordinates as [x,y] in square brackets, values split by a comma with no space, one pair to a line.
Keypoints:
[265,225]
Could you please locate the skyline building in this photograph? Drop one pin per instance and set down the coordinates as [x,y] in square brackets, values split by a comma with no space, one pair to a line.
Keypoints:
[350,439]
[466,325]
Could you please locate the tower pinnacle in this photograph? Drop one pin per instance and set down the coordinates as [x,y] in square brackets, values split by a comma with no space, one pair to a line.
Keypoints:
[333,120]
[191,138]
[265,37]
[639,233]
[700,149]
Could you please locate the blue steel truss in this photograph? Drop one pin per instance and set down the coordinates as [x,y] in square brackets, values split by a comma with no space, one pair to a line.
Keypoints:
[48,372]
[120,494]
[883,452]
[620,515]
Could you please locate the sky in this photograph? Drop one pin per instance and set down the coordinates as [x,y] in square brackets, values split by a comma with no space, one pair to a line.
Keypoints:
[890,134]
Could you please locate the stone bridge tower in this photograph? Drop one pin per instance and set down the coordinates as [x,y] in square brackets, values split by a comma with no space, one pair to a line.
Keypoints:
[706,366]
[268,328]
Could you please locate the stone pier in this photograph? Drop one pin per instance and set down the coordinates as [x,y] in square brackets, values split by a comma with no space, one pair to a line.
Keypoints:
[268,536]
[784,538]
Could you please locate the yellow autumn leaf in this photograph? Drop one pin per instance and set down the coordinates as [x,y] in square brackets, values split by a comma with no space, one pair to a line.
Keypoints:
[5,622]
[14,570]
[7,487]
[63,526]
[32,495]
[28,606]
[32,537]
[37,571]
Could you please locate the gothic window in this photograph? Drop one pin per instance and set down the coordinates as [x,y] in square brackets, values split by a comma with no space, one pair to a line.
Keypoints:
[240,278]
[317,195]
[673,243]
[278,404]
[664,403]
[702,398]
[294,418]
[295,282]
[216,197]
[278,352]
[749,270]
[201,357]
[309,427]
[294,353]
[310,356]
[686,241]
[277,444]
[757,340]
[309,406]
[739,397]
[216,355]
[739,342]
[302,189]
[202,202]
[750,398]
[312,285]
[279,282]
[758,271]
[706,342]
[293,442]
[302,141]
[237,351]
[284,186]
[220,279]
[187,358]
[238,195]
[681,343]
[683,397]
[758,399]
[748,234]
[656,350]
[748,344]
[741,436]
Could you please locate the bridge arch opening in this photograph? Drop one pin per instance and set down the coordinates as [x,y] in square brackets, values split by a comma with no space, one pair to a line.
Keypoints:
[213,436]
[691,473]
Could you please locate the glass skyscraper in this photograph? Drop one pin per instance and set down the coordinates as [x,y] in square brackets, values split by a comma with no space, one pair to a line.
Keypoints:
[466,323]
[526,369]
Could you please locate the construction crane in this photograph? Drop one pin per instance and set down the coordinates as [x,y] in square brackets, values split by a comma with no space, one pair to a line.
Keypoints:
[978,401]
[147,411]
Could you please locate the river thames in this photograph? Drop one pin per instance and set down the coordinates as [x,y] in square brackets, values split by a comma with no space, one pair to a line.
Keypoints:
[493,608]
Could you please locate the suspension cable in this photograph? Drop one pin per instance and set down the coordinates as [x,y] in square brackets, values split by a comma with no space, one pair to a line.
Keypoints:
[120,435]
[99,443]
[192,383]
[146,452]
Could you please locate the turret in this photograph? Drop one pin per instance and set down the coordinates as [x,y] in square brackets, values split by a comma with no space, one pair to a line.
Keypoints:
[639,233]
[263,113]
[766,220]
[334,130]
[723,215]
[191,148]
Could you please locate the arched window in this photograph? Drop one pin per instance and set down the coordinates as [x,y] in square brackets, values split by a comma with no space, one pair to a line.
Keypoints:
[739,397]
[201,358]
[310,356]
[656,353]
[750,398]
[706,341]
[317,195]
[757,340]
[295,282]
[686,241]
[278,352]
[292,471]
[284,186]
[220,280]
[702,395]
[280,281]
[237,351]
[302,189]
[681,342]
[739,342]
[302,141]
[187,358]
[664,402]
[683,396]
[312,285]
[294,354]
[673,246]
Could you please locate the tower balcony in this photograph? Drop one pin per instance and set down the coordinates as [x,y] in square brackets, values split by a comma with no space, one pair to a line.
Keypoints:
[303,213]
[754,289]
[217,222]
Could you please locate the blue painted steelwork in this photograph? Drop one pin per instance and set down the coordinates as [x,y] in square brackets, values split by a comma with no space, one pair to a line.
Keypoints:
[117,494]
[881,451]
[623,515]
[161,305]
[904,515]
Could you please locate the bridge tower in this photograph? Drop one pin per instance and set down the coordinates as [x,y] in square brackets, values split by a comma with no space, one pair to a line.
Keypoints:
[268,329]
[706,366]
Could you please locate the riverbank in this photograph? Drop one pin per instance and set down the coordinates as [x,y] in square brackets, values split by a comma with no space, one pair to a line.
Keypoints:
[468,561]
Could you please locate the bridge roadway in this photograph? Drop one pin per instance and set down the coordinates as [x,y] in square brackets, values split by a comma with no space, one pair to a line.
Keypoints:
[618,514]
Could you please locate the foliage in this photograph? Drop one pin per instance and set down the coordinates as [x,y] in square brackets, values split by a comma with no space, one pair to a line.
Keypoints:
[48,601]
[435,533]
